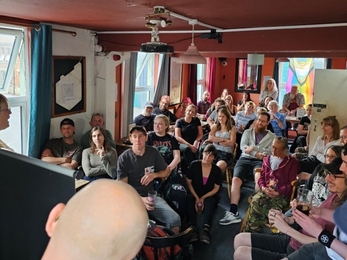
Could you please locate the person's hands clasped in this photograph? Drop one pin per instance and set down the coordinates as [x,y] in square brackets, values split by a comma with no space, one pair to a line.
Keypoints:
[307,222]
[277,219]
[147,179]
[197,202]
[100,152]
[193,148]
[270,192]
[148,204]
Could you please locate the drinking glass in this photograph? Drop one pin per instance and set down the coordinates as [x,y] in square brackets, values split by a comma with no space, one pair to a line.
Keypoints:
[152,195]
[304,200]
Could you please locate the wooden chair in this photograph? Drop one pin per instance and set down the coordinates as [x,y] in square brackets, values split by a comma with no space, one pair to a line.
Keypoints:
[230,169]
[292,196]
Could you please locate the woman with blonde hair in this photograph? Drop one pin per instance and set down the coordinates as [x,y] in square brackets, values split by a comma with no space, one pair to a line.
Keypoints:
[188,132]
[229,103]
[5,113]
[242,117]
[270,90]
[225,93]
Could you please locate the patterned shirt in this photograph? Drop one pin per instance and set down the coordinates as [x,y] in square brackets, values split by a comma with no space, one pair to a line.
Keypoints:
[299,100]
[203,106]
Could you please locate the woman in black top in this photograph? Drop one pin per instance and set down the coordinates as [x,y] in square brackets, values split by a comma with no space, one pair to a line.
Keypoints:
[188,132]
[203,180]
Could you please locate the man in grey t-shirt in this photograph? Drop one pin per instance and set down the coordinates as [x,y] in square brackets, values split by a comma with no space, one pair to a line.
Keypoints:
[138,167]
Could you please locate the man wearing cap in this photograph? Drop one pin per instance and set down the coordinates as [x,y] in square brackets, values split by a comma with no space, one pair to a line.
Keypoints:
[64,151]
[146,119]
[139,166]
[162,109]
[96,120]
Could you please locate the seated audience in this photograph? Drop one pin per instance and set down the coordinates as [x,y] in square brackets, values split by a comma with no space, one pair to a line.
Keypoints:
[270,90]
[255,144]
[79,229]
[223,136]
[302,130]
[242,103]
[330,128]
[278,171]
[146,119]
[242,117]
[266,103]
[203,180]
[96,120]
[188,132]
[277,120]
[100,160]
[5,113]
[204,104]
[229,103]
[292,101]
[213,116]
[165,143]
[138,167]
[64,151]
[330,246]
[316,181]
[163,109]
[266,246]
[181,110]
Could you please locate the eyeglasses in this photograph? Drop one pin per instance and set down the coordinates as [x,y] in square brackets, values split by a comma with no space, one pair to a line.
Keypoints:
[333,176]
[8,110]
[330,156]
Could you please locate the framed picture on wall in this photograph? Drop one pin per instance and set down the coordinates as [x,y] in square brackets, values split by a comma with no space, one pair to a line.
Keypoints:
[248,77]
[69,85]
[175,81]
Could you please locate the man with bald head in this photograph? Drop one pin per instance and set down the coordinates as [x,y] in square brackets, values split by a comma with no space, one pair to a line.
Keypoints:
[105,220]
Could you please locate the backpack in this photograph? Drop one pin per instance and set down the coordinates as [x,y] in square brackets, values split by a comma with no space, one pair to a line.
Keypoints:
[149,252]
[175,193]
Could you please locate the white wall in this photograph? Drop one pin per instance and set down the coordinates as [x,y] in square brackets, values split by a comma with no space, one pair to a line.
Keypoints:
[330,88]
[64,44]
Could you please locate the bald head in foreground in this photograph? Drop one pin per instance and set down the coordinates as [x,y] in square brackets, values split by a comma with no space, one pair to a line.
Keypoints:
[105,220]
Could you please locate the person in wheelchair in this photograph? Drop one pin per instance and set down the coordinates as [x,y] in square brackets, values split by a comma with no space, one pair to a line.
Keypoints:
[223,136]
[203,180]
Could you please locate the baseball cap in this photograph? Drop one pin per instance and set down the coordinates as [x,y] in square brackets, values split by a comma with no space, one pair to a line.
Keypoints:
[138,128]
[149,104]
[67,121]
[340,217]
[334,166]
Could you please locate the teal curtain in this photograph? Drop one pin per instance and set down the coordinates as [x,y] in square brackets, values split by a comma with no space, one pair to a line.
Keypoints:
[41,88]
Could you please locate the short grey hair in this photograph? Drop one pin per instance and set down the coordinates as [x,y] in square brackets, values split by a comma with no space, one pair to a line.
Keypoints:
[273,103]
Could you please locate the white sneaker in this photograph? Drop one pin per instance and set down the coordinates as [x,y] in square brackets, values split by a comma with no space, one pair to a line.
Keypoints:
[230,218]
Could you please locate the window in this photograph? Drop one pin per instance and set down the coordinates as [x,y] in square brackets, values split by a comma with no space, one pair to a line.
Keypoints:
[201,81]
[300,72]
[147,73]
[14,85]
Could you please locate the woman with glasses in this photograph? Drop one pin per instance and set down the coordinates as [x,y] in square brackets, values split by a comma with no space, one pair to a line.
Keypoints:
[188,132]
[331,136]
[100,160]
[5,113]
[271,246]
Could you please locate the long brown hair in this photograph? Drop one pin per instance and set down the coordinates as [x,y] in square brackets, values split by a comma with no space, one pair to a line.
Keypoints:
[332,121]
[228,123]
[106,142]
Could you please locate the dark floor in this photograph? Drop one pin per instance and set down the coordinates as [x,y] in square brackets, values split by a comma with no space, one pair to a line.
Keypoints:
[222,237]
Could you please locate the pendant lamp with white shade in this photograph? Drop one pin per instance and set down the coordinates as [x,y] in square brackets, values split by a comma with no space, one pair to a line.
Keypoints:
[192,55]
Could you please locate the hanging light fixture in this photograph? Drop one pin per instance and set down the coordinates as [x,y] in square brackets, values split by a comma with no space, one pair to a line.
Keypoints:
[255,59]
[192,55]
